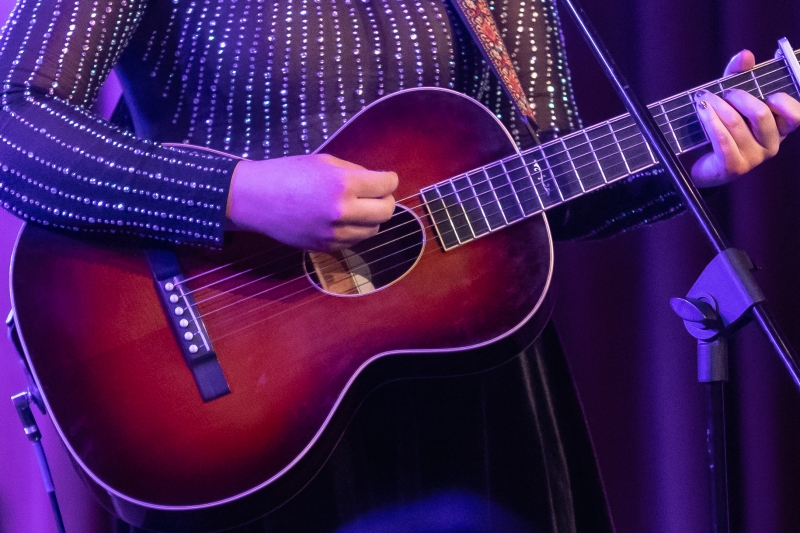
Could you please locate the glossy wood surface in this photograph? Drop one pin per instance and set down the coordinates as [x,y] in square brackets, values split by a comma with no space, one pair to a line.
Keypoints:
[119,390]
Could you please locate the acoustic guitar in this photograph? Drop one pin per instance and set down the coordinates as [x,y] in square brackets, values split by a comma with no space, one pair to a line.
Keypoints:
[197,390]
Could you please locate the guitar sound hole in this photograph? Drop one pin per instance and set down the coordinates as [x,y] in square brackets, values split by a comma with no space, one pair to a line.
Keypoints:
[373,263]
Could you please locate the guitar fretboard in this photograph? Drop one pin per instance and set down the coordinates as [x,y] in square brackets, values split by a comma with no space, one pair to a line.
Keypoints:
[489,198]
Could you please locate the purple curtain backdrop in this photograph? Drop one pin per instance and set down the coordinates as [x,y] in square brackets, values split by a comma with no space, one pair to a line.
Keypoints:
[633,362]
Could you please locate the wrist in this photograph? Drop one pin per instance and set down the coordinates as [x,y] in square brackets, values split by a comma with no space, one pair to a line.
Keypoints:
[233,190]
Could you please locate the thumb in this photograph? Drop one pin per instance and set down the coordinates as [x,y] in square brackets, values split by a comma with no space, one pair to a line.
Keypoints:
[744,60]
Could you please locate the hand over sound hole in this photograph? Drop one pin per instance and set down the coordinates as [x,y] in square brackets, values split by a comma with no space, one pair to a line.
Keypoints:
[373,263]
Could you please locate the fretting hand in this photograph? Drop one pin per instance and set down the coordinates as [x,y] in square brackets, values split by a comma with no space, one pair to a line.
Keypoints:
[743,130]
[315,202]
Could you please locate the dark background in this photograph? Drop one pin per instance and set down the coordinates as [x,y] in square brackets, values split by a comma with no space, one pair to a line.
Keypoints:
[633,362]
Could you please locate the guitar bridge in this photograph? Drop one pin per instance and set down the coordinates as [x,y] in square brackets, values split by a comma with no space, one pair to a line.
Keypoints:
[180,310]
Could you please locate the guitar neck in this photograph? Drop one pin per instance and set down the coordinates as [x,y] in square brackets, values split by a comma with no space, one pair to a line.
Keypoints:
[487,199]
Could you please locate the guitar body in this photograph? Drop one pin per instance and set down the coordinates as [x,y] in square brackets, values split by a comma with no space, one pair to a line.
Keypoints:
[298,360]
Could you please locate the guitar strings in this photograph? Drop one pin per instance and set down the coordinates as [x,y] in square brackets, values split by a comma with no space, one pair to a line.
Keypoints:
[307,287]
[410,207]
[294,266]
[287,282]
[296,306]
[228,265]
[453,194]
[333,261]
[298,252]
[785,77]
[591,163]
[329,262]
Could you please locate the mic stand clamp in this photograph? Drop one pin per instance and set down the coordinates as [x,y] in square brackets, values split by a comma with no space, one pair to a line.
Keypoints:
[716,306]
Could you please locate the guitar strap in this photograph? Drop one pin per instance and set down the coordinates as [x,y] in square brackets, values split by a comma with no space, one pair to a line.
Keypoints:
[479,21]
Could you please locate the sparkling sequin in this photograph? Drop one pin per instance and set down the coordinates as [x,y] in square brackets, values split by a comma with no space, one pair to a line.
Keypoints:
[253,78]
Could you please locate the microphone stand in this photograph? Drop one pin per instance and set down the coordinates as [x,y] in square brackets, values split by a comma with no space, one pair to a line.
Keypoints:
[725,296]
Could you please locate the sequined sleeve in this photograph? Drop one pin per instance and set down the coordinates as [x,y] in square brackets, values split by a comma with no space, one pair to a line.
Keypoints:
[543,70]
[65,168]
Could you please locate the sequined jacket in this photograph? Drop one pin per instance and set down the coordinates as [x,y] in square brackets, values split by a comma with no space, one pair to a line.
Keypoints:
[255,78]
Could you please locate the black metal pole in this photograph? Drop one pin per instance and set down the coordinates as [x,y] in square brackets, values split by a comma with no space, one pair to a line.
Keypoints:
[700,312]
[717,461]
[691,197]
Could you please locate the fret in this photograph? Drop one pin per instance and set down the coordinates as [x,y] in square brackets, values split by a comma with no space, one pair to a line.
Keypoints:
[504,192]
[485,199]
[715,87]
[594,154]
[675,107]
[755,82]
[665,126]
[691,133]
[584,161]
[563,141]
[523,185]
[684,122]
[616,141]
[653,159]
[791,90]
[471,206]
[743,81]
[634,149]
[455,211]
[778,80]
[546,188]
[564,175]
[607,151]
[488,200]
[438,214]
